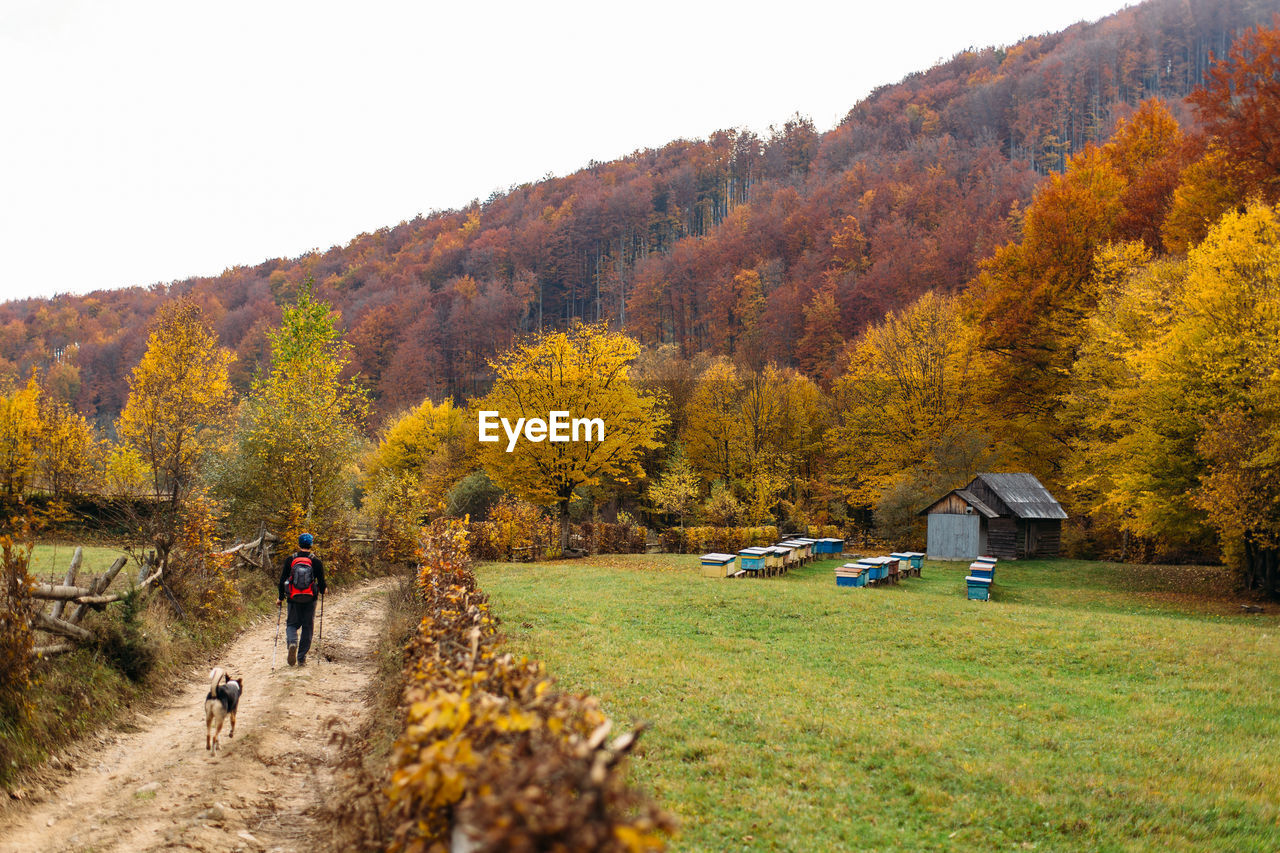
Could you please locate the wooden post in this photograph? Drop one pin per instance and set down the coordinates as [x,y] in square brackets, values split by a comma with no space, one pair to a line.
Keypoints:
[69,581]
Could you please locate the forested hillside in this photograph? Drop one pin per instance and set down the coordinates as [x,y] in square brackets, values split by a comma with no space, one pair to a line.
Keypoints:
[794,241]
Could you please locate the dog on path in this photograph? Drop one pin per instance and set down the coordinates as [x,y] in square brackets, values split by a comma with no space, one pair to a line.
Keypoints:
[223,698]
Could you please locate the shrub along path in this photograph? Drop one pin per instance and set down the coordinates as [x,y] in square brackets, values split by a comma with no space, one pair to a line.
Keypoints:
[1088,706]
[155,787]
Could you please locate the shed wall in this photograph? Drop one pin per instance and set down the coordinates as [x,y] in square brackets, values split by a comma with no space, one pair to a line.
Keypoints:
[953,537]
[1004,538]
[1044,537]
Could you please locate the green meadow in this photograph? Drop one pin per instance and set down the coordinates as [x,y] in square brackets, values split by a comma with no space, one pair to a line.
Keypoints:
[49,561]
[1087,706]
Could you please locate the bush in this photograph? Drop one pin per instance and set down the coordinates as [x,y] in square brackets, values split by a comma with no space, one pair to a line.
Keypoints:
[515,528]
[729,540]
[16,639]
[604,538]
[123,642]
[491,753]
[474,496]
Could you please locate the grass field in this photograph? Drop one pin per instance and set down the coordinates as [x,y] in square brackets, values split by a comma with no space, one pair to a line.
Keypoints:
[1088,706]
[49,561]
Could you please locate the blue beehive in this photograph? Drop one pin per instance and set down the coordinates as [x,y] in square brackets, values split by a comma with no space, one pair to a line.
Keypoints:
[917,559]
[979,588]
[986,571]
[752,560]
[874,569]
[851,574]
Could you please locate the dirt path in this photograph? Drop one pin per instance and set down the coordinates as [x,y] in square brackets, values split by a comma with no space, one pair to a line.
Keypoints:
[158,789]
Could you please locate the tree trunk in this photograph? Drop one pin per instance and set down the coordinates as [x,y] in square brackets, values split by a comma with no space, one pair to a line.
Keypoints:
[564,527]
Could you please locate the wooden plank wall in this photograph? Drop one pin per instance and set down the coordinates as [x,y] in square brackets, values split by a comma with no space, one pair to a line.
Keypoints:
[1046,537]
[952,504]
[1004,538]
[953,537]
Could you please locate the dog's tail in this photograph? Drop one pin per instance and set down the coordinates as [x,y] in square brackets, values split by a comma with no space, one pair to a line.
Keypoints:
[217,675]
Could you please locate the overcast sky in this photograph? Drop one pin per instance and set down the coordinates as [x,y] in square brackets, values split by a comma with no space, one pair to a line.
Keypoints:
[154,141]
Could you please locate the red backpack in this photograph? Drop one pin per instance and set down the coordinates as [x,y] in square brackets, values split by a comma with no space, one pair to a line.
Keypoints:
[302,579]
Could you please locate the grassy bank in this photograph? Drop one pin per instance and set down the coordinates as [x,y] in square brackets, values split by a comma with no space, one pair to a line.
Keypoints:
[1087,707]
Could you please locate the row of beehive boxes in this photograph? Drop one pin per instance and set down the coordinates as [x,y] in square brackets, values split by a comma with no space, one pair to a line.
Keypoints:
[872,571]
[769,560]
[982,574]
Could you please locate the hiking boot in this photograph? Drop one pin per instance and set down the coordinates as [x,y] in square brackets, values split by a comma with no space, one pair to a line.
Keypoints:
[302,661]
[293,653]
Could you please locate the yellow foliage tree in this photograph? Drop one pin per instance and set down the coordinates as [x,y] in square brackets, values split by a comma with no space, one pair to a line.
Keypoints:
[68,452]
[1187,374]
[584,372]
[677,490]
[714,437]
[292,464]
[177,410]
[19,428]
[409,473]
[905,408]
[124,473]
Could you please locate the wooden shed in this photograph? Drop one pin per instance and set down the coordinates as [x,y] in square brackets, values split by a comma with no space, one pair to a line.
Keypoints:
[1010,516]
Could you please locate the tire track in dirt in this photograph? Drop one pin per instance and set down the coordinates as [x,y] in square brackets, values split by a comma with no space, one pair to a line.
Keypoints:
[157,788]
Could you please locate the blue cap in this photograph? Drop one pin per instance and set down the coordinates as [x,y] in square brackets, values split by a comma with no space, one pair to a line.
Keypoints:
[304,541]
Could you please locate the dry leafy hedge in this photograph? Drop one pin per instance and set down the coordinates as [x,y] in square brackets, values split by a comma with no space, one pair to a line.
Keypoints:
[700,540]
[16,638]
[518,530]
[604,538]
[725,539]
[493,757]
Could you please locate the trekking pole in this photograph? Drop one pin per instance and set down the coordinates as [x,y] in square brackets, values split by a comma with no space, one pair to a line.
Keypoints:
[275,645]
[320,639]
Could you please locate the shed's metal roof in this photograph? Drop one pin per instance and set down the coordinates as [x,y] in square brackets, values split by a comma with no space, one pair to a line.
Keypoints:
[1024,495]
[976,502]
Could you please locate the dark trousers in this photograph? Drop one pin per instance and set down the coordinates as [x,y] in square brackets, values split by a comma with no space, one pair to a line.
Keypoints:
[301,615]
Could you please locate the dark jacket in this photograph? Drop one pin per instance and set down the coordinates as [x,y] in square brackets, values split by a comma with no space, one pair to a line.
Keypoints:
[317,567]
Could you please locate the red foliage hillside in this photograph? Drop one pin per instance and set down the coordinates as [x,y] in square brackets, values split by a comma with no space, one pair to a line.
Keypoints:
[922,180]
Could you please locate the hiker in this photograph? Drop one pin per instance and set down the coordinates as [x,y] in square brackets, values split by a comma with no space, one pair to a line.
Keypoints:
[301,581]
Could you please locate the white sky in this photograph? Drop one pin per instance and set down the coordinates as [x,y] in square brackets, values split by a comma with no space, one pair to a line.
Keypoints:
[154,141]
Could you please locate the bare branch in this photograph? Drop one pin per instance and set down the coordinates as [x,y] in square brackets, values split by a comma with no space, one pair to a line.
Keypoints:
[70,579]
[61,627]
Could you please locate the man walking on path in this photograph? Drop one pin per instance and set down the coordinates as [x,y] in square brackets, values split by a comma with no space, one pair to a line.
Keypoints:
[301,581]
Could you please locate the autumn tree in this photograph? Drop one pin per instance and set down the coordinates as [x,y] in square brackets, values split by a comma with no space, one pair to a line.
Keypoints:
[906,408]
[1240,107]
[177,409]
[677,490]
[298,432]
[409,473]
[819,348]
[714,437]
[1032,298]
[1187,387]
[1207,188]
[68,451]
[583,371]
[19,429]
